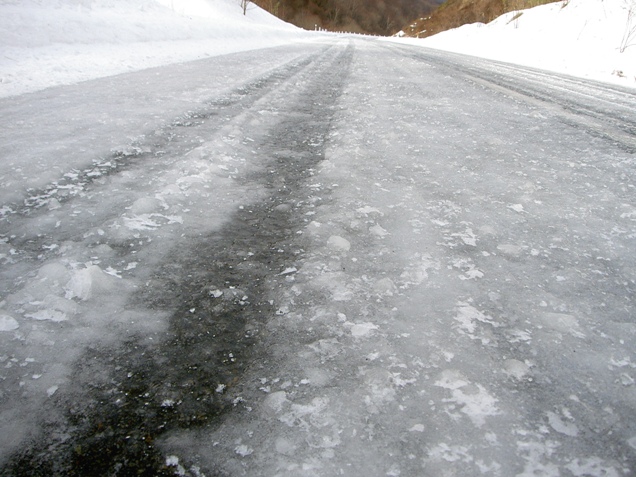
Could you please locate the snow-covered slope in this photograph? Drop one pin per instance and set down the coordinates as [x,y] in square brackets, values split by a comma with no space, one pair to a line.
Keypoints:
[51,42]
[577,37]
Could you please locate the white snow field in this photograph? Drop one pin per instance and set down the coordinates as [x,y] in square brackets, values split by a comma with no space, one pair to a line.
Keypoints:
[231,247]
[589,38]
[50,42]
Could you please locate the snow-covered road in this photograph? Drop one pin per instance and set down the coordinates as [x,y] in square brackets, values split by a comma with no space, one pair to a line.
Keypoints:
[346,257]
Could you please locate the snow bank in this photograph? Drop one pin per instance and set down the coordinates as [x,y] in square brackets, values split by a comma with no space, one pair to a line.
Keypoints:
[52,42]
[46,43]
[576,37]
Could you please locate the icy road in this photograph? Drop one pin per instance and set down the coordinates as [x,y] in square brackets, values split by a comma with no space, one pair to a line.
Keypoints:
[346,257]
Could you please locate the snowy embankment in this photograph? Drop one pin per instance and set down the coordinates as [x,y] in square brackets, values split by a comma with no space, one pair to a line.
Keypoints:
[48,43]
[577,37]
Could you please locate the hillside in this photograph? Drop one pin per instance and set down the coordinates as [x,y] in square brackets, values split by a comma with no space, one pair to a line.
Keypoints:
[359,16]
[591,39]
[455,13]
[45,43]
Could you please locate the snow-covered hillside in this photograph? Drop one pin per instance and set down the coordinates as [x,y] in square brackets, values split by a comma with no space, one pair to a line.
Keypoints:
[50,42]
[576,37]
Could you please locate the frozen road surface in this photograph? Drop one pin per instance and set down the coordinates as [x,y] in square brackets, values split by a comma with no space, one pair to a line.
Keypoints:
[347,257]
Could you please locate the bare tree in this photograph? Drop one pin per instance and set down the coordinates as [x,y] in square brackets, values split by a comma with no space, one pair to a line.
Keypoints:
[273,6]
[629,35]
[333,15]
[350,7]
[244,4]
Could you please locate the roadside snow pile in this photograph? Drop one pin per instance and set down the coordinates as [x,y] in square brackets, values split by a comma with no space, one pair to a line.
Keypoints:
[46,43]
[576,37]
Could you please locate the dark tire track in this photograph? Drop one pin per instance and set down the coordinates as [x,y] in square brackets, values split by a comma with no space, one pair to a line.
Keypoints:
[218,289]
[158,150]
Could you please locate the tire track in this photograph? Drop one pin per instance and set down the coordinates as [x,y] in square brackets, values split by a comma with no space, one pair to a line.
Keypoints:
[603,110]
[217,290]
[158,149]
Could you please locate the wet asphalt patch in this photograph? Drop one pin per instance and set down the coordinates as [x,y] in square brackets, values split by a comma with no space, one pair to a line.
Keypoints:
[219,291]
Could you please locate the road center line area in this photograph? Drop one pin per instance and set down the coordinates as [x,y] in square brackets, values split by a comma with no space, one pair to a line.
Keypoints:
[334,258]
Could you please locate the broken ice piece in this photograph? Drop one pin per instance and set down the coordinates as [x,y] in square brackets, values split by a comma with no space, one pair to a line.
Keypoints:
[243,450]
[8,323]
[339,243]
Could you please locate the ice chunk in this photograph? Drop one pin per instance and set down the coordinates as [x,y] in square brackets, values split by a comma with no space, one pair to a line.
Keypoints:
[150,221]
[318,377]
[243,450]
[283,208]
[472,399]
[367,210]
[454,453]
[515,368]
[384,286]
[468,316]
[48,315]
[54,273]
[359,330]
[567,428]
[591,466]
[378,231]
[563,323]
[8,323]
[145,205]
[276,401]
[510,249]
[87,282]
[173,461]
[285,446]
[339,243]
[468,237]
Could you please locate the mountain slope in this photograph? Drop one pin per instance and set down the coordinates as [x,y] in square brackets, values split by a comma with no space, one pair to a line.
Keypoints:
[455,13]
[378,17]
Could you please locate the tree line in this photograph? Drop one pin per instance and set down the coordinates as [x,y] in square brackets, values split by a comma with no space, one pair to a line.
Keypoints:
[380,17]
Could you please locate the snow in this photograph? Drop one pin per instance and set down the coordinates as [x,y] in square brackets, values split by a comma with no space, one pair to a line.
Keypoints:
[107,37]
[45,43]
[577,37]
[455,298]
[469,339]
[8,323]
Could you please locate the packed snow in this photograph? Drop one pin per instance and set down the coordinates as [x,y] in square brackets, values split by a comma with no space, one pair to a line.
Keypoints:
[434,290]
[595,39]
